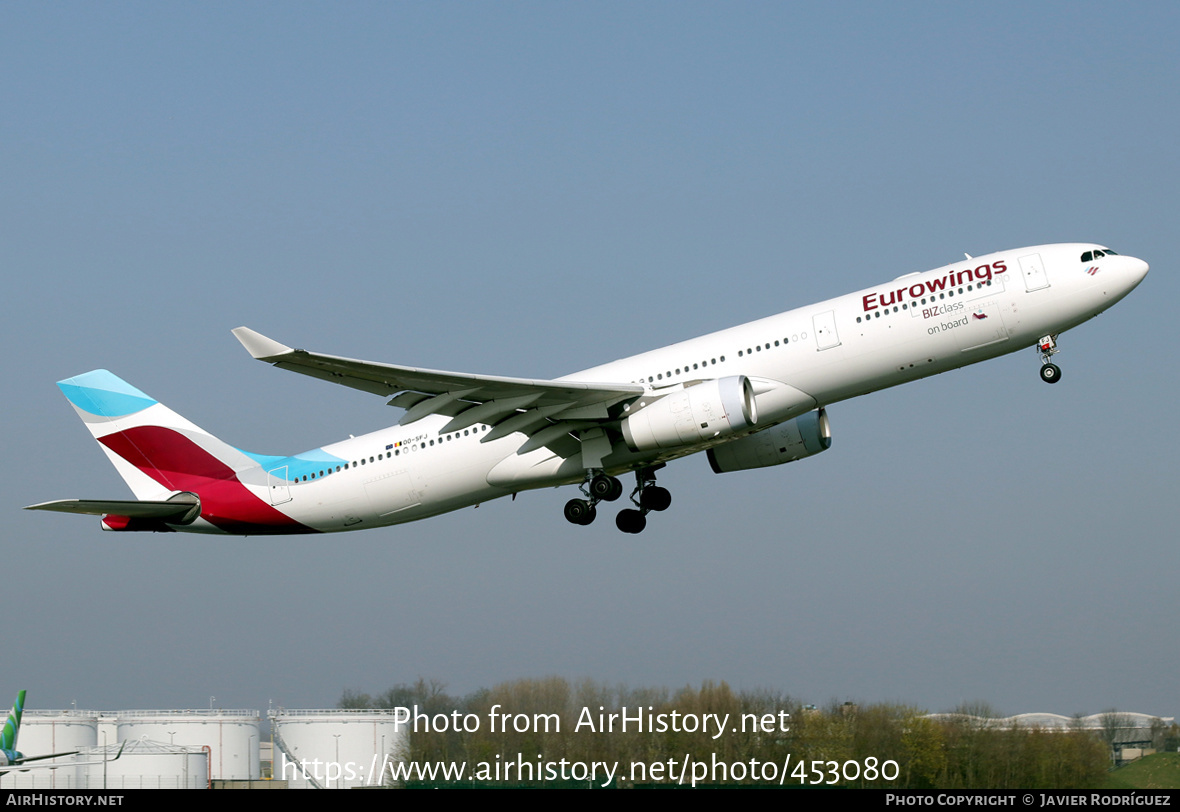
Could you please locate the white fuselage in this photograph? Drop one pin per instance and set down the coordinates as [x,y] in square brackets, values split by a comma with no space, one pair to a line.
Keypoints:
[913,327]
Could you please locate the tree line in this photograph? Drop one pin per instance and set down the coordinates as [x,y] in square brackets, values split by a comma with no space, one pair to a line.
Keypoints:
[833,744]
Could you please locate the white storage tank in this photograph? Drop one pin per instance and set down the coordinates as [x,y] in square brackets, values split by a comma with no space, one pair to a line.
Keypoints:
[51,731]
[232,736]
[336,749]
[144,765]
[108,727]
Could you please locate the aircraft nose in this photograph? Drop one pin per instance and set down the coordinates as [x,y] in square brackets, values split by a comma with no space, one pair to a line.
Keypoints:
[1138,269]
[1130,272]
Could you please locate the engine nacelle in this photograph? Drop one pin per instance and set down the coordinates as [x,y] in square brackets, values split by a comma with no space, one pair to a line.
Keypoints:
[695,414]
[793,440]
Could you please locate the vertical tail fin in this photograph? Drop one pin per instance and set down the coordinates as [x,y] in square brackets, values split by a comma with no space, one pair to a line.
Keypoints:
[12,725]
[164,459]
[153,448]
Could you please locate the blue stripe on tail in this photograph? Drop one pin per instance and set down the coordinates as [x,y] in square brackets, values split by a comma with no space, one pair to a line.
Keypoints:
[104,394]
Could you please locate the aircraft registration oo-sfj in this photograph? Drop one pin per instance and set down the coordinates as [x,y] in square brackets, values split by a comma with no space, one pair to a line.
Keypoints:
[751,396]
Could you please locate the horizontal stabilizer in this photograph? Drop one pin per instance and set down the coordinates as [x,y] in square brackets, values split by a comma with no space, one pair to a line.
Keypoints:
[131,508]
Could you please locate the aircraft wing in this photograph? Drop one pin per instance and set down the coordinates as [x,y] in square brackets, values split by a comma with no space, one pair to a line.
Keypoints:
[24,763]
[25,766]
[509,404]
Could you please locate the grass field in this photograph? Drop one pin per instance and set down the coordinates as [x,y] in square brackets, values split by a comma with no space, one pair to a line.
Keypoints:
[1160,771]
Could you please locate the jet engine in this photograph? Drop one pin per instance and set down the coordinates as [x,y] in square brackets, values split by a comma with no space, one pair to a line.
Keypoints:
[695,414]
[789,441]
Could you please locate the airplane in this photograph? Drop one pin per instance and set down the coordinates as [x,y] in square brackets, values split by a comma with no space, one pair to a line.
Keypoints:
[12,759]
[751,396]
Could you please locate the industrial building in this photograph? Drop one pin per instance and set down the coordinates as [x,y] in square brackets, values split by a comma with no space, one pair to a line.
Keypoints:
[193,749]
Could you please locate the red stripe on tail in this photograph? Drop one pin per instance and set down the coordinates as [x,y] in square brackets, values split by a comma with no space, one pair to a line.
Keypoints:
[177,463]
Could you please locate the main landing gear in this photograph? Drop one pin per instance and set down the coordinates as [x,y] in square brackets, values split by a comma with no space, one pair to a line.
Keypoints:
[601,487]
[598,487]
[1047,347]
[647,496]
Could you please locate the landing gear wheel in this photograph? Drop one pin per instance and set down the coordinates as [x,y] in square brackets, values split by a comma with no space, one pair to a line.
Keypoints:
[630,521]
[655,498]
[606,488]
[579,511]
[1050,373]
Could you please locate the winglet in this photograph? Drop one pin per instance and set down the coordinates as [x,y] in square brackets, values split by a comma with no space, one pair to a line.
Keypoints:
[258,345]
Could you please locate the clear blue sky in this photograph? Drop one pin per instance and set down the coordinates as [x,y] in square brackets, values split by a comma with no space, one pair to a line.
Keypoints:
[530,189]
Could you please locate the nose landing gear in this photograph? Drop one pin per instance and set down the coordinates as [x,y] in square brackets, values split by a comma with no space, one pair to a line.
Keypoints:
[1047,347]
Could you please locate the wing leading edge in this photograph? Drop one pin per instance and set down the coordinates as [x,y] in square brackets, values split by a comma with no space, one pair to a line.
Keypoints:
[533,407]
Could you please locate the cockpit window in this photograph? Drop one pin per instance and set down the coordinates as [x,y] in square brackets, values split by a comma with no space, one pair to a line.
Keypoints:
[1098,254]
